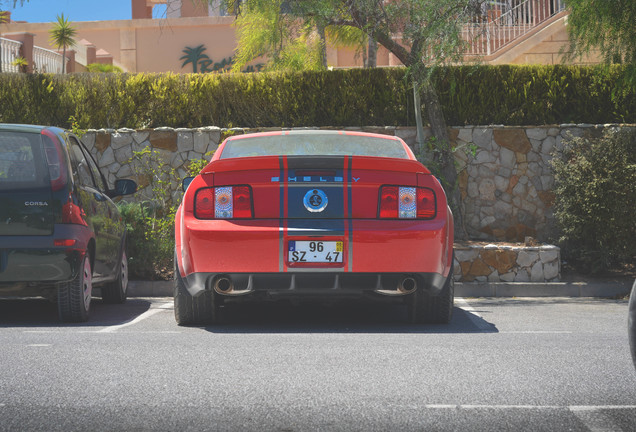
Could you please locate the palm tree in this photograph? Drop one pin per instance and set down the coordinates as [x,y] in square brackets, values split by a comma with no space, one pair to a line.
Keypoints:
[194,56]
[21,63]
[62,35]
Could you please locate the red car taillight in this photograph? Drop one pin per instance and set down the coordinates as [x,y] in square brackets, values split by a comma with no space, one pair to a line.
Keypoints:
[389,202]
[403,202]
[225,202]
[54,159]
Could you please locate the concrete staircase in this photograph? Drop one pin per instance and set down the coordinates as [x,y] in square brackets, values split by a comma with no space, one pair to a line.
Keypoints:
[515,31]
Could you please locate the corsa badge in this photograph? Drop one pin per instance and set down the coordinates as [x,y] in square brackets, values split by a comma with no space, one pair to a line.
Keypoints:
[315,200]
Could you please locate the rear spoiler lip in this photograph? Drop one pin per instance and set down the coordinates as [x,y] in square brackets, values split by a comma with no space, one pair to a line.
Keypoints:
[318,162]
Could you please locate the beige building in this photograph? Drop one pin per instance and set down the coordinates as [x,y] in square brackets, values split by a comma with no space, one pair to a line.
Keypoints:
[198,37]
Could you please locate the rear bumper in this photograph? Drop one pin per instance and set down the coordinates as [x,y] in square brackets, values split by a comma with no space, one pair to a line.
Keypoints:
[31,266]
[305,284]
[28,262]
[250,258]
[261,246]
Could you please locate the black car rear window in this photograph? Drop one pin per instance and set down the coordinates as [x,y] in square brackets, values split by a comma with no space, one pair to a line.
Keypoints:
[316,144]
[20,160]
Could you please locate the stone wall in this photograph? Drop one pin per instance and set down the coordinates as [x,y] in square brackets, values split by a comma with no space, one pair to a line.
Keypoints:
[506,263]
[506,184]
[505,177]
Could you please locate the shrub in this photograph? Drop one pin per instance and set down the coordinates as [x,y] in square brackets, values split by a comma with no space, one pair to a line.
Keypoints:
[150,220]
[103,68]
[149,250]
[595,204]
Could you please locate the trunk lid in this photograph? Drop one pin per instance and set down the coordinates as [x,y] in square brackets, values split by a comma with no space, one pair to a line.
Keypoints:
[26,206]
[317,187]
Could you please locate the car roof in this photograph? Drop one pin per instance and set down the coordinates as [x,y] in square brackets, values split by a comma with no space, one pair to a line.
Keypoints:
[313,132]
[8,127]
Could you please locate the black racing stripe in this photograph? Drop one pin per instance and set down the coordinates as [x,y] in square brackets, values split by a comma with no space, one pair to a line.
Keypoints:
[315,162]
[315,227]
[281,222]
[350,213]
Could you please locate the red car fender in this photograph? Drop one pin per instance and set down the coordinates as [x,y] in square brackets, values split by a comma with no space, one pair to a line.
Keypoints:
[183,255]
[450,236]
[449,228]
[178,230]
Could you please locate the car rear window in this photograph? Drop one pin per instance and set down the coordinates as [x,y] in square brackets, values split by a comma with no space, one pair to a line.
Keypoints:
[316,144]
[20,161]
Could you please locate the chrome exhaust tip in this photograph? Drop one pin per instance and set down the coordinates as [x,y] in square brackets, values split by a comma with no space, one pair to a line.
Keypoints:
[223,285]
[407,285]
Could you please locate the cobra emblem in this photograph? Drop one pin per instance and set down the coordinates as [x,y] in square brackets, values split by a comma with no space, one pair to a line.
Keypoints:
[315,200]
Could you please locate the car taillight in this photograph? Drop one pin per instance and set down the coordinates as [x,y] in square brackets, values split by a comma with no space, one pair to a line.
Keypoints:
[54,159]
[403,202]
[426,206]
[225,202]
[389,202]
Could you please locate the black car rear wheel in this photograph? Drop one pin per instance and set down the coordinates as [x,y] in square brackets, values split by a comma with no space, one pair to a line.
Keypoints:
[433,309]
[74,297]
[190,310]
[117,291]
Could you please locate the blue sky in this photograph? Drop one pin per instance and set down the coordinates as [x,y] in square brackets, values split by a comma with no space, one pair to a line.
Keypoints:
[74,10]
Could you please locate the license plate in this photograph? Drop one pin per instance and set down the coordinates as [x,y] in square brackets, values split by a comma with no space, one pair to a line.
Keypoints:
[315,251]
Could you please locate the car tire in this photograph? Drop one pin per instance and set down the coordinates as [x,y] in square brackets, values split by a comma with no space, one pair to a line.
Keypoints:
[190,310]
[116,292]
[74,297]
[433,309]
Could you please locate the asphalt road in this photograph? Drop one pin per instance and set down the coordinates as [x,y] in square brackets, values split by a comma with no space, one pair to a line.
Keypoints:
[502,364]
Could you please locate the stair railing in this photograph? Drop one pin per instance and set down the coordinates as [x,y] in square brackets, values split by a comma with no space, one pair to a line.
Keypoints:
[503,22]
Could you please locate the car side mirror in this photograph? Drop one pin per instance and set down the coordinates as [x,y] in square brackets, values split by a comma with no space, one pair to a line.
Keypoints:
[186,182]
[124,187]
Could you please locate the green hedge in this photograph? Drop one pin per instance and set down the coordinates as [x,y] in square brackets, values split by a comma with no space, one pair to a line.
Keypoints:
[595,203]
[511,95]
[535,95]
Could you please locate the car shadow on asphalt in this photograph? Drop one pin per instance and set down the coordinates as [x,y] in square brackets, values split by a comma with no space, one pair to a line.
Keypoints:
[338,318]
[43,313]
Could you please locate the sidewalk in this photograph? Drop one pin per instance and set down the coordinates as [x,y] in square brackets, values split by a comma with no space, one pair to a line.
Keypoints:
[595,288]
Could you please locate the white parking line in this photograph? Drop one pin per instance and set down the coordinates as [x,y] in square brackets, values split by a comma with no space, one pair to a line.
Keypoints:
[473,315]
[537,332]
[482,324]
[496,407]
[591,416]
[41,331]
[573,408]
[143,316]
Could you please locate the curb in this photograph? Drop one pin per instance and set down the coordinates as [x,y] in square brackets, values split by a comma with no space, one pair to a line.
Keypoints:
[462,289]
[543,289]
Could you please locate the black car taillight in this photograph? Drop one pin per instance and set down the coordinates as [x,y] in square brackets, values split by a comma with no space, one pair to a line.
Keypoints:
[224,202]
[54,159]
[404,202]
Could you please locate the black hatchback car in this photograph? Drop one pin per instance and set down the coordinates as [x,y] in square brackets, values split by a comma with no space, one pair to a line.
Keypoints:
[60,232]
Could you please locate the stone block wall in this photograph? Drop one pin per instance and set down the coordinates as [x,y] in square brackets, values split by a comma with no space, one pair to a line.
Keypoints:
[506,180]
[506,263]
[505,177]
[113,149]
